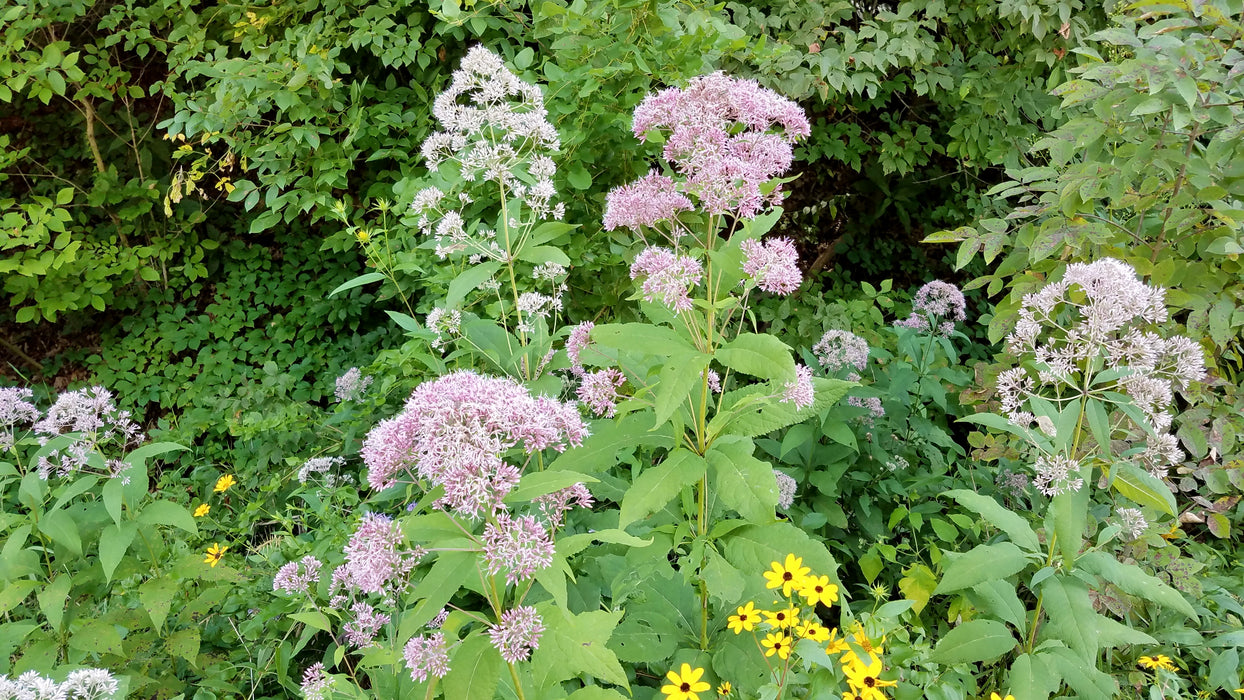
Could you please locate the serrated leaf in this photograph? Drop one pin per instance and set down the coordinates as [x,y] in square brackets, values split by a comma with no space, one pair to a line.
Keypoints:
[1015,527]
[982,563]
[576,644]
[972,641]
[156,596]
[1071,615]
[1132,579]
[184,644]
[759,355]
[743,482]
[97,636]
[658,485]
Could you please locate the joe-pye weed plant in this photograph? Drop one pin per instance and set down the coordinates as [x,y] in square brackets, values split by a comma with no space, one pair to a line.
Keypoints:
[1090,400]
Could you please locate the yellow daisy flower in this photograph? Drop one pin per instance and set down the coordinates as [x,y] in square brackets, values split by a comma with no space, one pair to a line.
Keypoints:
[224,482]
[779,644]
[812,630]
[746,620]
[864,681]
[724,689]
[995,696]
[872,649]
[202,510]
[685,684]
[837,644]
[214,554]
[819,589]
[1155,662]
[789,576]
[782,619]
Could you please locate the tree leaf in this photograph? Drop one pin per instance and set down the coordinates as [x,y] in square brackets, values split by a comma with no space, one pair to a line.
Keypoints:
[982,563]
[972,641]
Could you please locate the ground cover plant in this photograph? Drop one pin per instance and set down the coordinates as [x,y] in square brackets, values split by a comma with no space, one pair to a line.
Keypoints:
[544,404]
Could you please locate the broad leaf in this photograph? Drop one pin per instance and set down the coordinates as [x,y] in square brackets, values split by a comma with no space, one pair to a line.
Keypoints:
[986,562]
[976,640]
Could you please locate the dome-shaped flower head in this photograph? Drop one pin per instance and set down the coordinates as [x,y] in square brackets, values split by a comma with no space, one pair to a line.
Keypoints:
[667,277]
[646,202]
[839,349]
[773,265]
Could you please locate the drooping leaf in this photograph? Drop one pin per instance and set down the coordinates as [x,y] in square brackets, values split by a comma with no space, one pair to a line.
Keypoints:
[982,563]
[972,641]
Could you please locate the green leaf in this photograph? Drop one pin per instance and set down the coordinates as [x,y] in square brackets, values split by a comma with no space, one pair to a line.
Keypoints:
[451,572]
[168,513]
[976,640]
[99,637]
[15,593]
[1008,521]
[679,377]
[52,600]
[579,178]
[313,619]
[468,281]
[982,563]
[599,451]
[61,527]
[1088,682]
[184,644]
[535,484]
[642,337]
[755,547]
[474,670]
[366,278]
[114,542]
[1068,511]
[725,582]
[1142,488]
[759,355]
[767,415]
[1132,579]
[658,485]
[540,254]
[743,482]
[999,598]
[156,597]
[570,545]
[1071,615]
[576,644]
[1031,678]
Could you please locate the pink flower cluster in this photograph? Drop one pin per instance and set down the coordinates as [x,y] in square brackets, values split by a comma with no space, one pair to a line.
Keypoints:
[427,656]
[376,562]
[519,546]
[773,265]
[936,308]
[599,391]
[667,277]
[92,414]
[800,390]
[455,431]
[720,138]
[15,411]
[297,576]
[517,634]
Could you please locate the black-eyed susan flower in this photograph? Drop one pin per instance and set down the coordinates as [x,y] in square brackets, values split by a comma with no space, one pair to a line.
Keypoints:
[782,619]
[812,630]
[788,576]
[836,644]
[224,482]
[214,554]
[685,684]
[864,680]
[1155,662]
[871,649]
[995,696]
[746,620]
[777,643]
[202,510]
[724,689]
[819,589]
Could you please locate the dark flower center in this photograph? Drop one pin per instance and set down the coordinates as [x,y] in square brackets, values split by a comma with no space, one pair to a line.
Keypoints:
[787,576]
[870,681]
[685,687]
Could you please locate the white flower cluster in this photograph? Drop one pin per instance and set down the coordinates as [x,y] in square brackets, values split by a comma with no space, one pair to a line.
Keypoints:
[1099,317]
[495,127]
[83,684]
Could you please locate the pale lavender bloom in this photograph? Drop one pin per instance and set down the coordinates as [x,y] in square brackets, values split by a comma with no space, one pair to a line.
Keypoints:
[714,380]
[772,264]
[1183,359]
[518,633]
[90,684]
[936,303]
[800,390]
[667,277]
[1057,475]
[443,322]
[352,385]
[599,390]
[454,431]
[871,403]
[646,202]
[375,561]
[1014,483]
[92,413]
[1160,453]
[297,576]
[1132,522]
[576,342]
[519,546]
[319,465]
[554,506]
[786,489]
[838,349]
[427,656]
[316,685]
[15,411]
[362,630]
[440,618]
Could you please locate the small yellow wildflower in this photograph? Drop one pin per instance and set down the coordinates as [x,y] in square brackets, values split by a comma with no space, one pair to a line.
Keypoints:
[724,689]
[202,510]
[224,482]
[685,684]
[864,681]
[861,640]
[1156,662]
[789,576]
[812,630]
[819,589]
[214,554]
[837,644]
[782,619]
[779,644]
[995,696]
[746,620]
[363,236]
